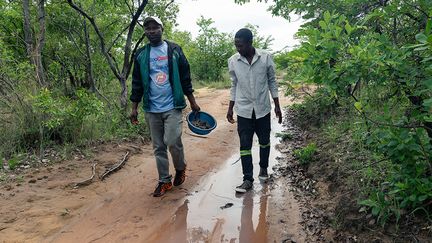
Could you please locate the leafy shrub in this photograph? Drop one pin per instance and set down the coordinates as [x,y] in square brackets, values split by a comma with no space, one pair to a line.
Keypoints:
[358,62]
[213,48]
[409,185]
[63,117]
[13,162]
[305,155]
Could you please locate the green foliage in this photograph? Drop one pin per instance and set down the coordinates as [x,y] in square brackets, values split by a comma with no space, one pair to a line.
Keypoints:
[67,115]
[209,51]
[305,155]
[13,162]
[291,62]
[259,41]
[376,60]
[212,50]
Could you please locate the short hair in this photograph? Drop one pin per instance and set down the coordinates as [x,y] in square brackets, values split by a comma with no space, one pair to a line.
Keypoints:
[245,35]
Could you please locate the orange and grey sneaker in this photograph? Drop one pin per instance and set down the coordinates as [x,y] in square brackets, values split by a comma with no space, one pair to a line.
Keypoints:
[161,188]
[180,177]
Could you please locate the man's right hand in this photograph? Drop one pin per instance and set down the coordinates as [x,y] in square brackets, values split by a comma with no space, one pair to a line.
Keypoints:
[134,117]
[229,116]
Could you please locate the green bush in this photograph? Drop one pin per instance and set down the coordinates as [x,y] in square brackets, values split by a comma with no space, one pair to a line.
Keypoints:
[66,118]
[386,79]
[408,186]
[213,48]
[13,162]
[305,155]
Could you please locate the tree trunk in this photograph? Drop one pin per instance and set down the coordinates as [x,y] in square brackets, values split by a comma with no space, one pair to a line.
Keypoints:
[34,50]
[123,96]
[28,38]
[40,43]
[89,66]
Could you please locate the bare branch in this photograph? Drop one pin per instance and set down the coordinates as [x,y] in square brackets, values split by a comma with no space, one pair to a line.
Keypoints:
[89,180]
[127,49]
[304,91]
[131,10]
[117,37]
[115,167]
[168,4]
[134,51]
[109,58]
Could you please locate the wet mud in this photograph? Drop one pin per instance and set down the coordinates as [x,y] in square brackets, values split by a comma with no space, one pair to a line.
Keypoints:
[214,212]
[121,209]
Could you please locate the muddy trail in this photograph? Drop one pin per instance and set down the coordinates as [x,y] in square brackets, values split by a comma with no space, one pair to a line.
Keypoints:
[57,203]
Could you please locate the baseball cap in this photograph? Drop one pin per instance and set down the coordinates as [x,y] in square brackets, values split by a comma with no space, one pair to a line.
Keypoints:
[152,18]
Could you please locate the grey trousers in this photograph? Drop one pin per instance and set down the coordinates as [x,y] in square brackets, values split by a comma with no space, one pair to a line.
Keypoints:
[165,131]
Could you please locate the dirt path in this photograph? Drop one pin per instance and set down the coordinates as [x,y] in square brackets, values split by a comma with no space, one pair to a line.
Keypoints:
[43,206]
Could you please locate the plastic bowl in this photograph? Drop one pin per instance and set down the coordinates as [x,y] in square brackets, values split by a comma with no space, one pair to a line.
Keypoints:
[203,116]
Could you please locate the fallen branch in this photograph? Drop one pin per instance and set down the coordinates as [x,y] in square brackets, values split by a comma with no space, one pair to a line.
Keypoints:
[135,147]
[115,167]
[89,180]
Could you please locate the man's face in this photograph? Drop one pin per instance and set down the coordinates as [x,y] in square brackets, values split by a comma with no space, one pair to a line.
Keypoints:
[242,47]
[153,31]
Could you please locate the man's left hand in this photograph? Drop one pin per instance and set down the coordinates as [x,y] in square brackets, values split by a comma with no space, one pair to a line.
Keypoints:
[278,114]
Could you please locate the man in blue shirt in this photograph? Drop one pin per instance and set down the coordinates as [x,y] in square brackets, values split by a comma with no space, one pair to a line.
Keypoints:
[161,79]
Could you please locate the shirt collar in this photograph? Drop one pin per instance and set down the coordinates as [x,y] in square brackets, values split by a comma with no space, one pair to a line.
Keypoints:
[257,54]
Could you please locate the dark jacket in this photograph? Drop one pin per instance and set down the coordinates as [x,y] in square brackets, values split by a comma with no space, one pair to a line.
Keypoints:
[179,76]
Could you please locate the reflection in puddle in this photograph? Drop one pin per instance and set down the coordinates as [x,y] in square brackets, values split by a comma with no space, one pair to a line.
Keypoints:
[176,229]
[204,216]
[247,231]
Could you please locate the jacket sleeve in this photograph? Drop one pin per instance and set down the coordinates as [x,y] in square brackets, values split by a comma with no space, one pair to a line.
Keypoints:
[137,85]
[184,71]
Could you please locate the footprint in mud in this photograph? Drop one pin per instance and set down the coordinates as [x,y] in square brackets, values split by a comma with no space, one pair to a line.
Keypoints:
[137,219]
[9,219]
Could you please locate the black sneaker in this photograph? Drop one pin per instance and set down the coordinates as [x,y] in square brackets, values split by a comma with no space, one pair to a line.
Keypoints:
[244,187]
[161,188]
[263,175]
[180,177]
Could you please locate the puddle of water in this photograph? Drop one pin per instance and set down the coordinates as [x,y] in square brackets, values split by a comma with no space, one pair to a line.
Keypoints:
[215,213]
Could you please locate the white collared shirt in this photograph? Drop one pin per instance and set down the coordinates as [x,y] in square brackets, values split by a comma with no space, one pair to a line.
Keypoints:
[251,83]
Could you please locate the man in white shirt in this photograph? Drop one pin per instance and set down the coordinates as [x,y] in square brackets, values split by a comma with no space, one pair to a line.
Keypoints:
[252,73]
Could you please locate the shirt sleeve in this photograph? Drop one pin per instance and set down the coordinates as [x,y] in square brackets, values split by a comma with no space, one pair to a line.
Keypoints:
[137,85]
[233,78]
[271,74]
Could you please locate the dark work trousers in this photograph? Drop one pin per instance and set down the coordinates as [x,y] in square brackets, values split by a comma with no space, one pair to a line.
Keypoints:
[246,129]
